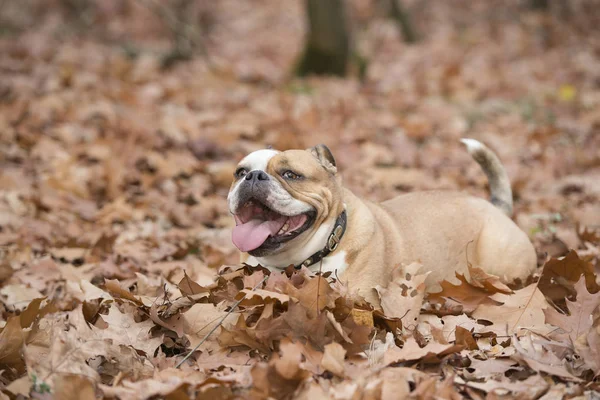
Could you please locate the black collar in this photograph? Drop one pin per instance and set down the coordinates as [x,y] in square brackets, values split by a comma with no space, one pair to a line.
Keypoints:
[332,242]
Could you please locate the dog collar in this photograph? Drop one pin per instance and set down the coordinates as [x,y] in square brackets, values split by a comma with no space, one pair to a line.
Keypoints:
[332,242]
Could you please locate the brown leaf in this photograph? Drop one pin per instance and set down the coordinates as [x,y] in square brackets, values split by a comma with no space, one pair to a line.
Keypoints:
[18,297]
[174,323]
[431,353]
[68,353]
[466,295]
[11,344]
[114,287]
[521,310]
[541,359]
[261,296]
[578,321]
[465,339]
[404,295]
[124,330]
[560,275]
[288,364]
[491,283]
[362,317]
[200,319]
[588,345]
[189,288]
[333,359]
[73,387]
[314,295]
[530,388]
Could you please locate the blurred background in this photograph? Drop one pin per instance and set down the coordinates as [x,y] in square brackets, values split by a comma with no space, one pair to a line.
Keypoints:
[121,121]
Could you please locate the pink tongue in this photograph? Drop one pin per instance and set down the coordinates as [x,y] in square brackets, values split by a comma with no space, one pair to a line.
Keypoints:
[253,233]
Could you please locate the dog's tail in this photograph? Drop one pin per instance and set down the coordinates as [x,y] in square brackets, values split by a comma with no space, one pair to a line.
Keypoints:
[501,193]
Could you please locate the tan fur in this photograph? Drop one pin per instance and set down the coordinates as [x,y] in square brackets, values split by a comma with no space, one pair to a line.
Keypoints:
[441,229]
[437,229]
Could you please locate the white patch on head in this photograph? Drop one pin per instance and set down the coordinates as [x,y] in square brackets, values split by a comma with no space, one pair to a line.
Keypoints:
[473,145]
[258,159]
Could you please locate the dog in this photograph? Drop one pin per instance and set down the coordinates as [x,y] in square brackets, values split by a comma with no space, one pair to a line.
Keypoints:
[290,208]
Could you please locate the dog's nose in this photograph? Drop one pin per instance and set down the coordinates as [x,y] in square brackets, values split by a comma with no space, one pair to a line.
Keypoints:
[256,175]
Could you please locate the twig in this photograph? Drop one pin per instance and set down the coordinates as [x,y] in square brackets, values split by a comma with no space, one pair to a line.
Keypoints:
[233,307]
[319,284]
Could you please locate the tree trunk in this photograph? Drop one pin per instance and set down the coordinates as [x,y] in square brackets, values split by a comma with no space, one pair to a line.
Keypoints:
[327,50]
[539,4]
[404,21]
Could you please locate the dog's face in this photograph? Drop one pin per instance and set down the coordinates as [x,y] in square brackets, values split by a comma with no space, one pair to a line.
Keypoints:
[279,199]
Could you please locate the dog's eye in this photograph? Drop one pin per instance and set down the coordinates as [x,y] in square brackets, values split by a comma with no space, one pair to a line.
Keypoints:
[240,172]
[291,175]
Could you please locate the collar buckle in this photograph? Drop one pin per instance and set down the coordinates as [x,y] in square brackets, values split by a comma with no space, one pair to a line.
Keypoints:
[334,238]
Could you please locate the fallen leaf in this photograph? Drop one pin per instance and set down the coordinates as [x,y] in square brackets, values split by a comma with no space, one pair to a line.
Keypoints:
[333,359]
[73,387]
[560,275]
[432,352]
[124,330]
[521,310]
[404,295]
[201,318]
[579,320]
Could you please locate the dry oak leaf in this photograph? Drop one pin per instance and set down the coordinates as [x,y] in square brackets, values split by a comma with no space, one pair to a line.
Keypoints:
[404,295]
[530,388]
[18,297]
[167,383]
[73,387]
[12,339]
[333,359]
[521,310]
[448,324]
[491,283]
[579,321]
[433,388]
[282,376]
[85,291]
[174,323]
[190,288]
[540,359]
[241,335]
[122,329]
[469,297]
[411,351]
[15,333]
[314,295]
[201,318]
[490,368]
[289,363]
[465,339]
[67,353]
[260,296]
[396,382]
[560,275]
[588,346]
[114,287]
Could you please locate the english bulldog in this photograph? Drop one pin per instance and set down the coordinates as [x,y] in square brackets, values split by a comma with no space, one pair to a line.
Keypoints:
[290,208]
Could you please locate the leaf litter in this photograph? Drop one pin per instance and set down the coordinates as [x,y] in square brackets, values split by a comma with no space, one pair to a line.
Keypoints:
[115,252]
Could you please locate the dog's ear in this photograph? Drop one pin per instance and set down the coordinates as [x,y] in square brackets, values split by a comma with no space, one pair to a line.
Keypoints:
[324,156]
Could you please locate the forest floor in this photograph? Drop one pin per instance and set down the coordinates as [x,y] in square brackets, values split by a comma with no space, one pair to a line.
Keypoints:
[115,250]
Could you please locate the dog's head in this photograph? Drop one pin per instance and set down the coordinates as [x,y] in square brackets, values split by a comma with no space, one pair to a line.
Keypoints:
[280,199]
